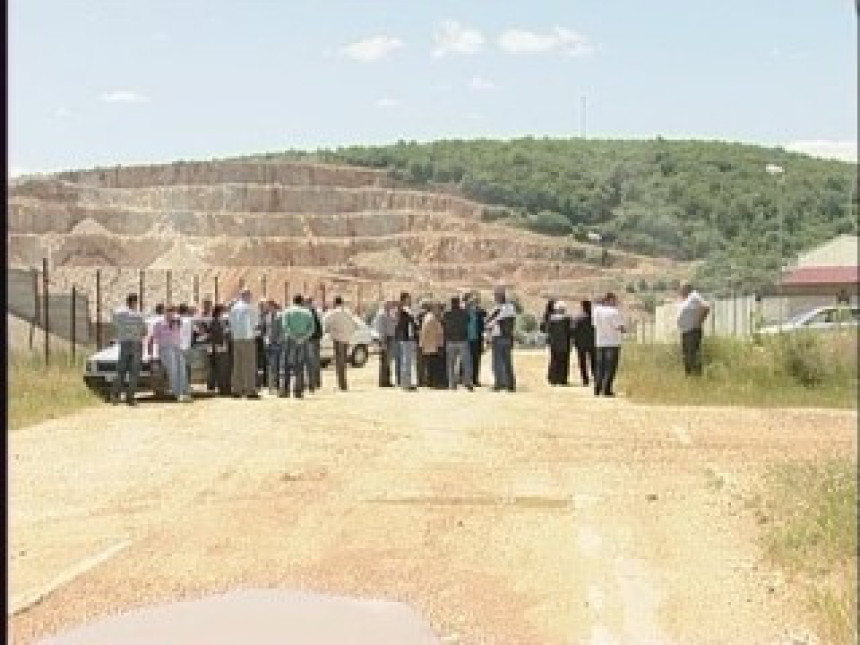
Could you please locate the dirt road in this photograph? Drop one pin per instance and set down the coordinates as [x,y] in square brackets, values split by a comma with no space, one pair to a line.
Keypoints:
[545,516]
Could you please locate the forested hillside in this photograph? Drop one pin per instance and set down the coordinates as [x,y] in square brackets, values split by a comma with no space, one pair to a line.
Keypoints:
[688,200]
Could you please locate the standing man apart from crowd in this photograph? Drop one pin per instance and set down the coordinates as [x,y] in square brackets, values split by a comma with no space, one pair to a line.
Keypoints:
[455,322]
[406,334]
[296,324]
[691,316]
[475,335]
[500,322]
[340,325]
[608,328]
[243,329]
[314,368]
[384,325]
[130,333]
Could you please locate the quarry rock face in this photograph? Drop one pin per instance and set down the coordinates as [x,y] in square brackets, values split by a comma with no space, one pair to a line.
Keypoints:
[287,226]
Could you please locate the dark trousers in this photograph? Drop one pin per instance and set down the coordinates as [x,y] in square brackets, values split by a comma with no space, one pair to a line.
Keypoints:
[340,350]
[605,368]
[559,366]
[586,358]
[220,362]
[386,356]
[691,349]
[503,364]
[127,369]
[294,360]
[421,368]
[435,365]
[313,363]
[244,381]
[476,348]
[260,377]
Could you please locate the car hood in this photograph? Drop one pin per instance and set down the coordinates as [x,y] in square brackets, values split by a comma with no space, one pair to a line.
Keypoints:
[109,353]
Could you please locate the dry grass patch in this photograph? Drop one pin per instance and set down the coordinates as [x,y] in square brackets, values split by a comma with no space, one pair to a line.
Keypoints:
[810,510]
[37,393]
[789,370]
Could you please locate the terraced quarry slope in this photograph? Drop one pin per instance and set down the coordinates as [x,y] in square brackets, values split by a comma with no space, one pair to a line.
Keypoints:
[287,226]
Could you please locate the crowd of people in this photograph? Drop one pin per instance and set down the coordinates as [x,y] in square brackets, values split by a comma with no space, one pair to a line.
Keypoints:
[252,348]
[434,345]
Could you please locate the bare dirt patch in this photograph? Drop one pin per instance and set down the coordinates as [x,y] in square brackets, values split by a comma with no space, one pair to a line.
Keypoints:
[545,516]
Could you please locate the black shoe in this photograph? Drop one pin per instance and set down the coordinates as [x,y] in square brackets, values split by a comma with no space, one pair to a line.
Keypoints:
[131,402]
[411,388]
[609,394]
[254,396]
[236,396]
[470,388]
[299,395]
[284,395]
[597,392]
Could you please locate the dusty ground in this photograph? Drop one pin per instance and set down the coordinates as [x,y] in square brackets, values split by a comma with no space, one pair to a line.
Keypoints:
[544,516]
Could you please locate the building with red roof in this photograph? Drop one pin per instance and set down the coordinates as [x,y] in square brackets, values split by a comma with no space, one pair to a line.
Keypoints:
[826,274]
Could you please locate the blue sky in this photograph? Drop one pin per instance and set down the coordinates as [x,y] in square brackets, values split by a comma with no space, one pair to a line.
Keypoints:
[101,82]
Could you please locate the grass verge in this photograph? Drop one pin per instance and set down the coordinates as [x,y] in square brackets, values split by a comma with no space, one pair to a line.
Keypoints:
[37,393]
[789,370]
[811,514]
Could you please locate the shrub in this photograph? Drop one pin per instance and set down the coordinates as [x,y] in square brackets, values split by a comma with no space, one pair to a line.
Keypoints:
[803,357]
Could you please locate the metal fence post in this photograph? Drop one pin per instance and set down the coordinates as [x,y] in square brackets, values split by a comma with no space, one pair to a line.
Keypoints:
[140,290]
[98,308]
[74,319]
[196,289]
[45,298]
[168,287]
[265,285]
[323,295]
[216,291]
[36,305]
[286,293]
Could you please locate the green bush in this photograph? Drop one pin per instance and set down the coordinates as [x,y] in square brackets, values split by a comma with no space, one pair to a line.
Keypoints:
[803,357]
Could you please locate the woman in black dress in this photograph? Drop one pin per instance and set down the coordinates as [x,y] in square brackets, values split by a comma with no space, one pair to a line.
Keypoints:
[583,340]
[558,330]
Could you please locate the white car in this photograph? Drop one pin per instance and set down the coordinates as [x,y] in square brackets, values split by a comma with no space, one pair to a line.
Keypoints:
[364,342]
[100,369]
[818,319]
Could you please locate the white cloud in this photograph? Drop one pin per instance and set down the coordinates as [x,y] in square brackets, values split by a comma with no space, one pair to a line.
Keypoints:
[387,103]
[452,37]
[124,96]
[520,41]
[372,49]
[841,150]
[62,112]
[480,84]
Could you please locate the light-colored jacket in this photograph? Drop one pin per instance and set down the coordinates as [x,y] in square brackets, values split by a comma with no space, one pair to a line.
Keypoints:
[130,325]
[384,324]
[243,320]
[339,324]
[432,335]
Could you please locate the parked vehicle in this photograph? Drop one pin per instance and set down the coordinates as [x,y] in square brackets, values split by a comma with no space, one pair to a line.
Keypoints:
[100,369]
[818,319]
[364,342]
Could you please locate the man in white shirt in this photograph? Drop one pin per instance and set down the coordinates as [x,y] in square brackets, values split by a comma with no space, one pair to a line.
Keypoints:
[243,323]
[500,323]
[691,316]
[340,325]
[608,328]
[186,337]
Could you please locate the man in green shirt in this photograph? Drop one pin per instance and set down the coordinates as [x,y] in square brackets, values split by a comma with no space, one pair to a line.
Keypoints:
[297,327]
